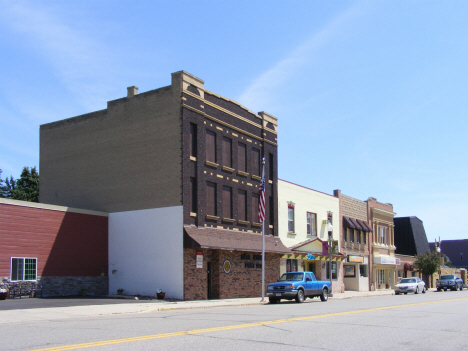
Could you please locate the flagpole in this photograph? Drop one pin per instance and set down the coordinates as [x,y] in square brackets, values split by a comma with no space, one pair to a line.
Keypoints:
[263,236]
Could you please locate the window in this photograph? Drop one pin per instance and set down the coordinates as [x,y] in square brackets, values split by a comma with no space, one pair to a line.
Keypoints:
[256,162]
[242,205]
[271,211]
[358,237]
[210,146]
[334,271]
[399,274]
[193,195]
[382,235]
[193,140]
[290,219]
[211,198]
[227,152]
[23,268]
[227,202]
[255,201]
[351,235]
[363,269]
[381,276]
[242,157]
[345,234]
[364,238]
[271,166]
[291,265]
[311,224]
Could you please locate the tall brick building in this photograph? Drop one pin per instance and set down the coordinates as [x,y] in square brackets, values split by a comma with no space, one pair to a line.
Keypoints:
[178,170]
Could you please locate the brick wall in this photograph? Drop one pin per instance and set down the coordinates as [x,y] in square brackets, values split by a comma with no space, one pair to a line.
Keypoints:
[242,281]
[126,157]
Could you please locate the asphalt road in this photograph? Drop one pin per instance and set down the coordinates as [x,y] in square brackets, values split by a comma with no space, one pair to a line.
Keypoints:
[430,321]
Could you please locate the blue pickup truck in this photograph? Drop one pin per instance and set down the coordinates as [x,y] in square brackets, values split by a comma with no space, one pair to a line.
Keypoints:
[298,286]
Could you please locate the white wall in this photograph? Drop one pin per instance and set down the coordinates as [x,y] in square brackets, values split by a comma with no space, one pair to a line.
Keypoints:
[146,250]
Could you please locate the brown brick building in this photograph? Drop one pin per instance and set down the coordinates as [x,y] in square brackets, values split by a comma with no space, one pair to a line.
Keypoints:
[178,169]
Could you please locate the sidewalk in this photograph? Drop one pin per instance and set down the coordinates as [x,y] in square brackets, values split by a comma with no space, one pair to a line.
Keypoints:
[52,313]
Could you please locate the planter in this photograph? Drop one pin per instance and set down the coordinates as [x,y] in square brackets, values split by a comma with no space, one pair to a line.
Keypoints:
[3,296]
[161,295]
[120,292]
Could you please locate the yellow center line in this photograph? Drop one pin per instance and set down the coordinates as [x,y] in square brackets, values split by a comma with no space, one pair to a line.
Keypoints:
[230,327]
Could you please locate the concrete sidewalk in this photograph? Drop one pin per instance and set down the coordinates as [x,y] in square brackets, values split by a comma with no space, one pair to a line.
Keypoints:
[102,309]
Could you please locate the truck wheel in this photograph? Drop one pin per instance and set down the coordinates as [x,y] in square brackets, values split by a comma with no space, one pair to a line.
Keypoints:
[324,295]
[273,300]
[300,296]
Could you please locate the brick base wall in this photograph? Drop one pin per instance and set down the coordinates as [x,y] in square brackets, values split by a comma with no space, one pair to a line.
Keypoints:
[244,279]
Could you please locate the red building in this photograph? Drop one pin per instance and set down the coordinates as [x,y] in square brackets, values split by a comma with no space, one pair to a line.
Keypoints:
[64,249]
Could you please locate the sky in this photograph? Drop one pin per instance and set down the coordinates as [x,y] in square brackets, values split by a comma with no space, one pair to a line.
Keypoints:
[370,96]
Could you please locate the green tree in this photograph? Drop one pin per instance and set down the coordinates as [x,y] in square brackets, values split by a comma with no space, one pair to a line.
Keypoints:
[427,263]
[26,187]
[7,188]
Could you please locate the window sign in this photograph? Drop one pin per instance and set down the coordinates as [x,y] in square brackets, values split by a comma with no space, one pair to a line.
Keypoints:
[349,271]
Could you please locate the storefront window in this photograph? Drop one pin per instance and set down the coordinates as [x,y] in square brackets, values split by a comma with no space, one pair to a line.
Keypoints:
[334,270]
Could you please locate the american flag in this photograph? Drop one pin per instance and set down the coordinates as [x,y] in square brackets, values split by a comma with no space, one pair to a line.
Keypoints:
[261,202]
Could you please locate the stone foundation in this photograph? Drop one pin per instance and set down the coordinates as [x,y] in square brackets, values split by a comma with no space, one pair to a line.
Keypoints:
[74,286]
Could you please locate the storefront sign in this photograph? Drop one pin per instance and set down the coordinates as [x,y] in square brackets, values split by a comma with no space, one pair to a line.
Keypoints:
[387,260]
[199,259]
[354,258]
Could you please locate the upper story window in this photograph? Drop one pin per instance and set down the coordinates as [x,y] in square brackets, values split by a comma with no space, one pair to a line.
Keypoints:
[227,152]
[311,224]
[242,205]
[193,140]
[271,166]
[210,146]
[242,157]
[256,169]
[255,203]
[358,237]
[193,195]
[290,218]
[383,235]
[211,199]
[351,235]
[227,202]
[23,269]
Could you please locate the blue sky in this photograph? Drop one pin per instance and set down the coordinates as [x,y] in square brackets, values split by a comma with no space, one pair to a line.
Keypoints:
[370,95]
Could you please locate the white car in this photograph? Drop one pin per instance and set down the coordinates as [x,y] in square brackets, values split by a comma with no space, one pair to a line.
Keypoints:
[407,285]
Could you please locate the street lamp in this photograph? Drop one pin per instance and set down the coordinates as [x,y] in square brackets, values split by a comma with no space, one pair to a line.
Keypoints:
[330,230]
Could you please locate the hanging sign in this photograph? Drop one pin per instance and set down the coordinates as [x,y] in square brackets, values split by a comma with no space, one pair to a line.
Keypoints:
[199,259]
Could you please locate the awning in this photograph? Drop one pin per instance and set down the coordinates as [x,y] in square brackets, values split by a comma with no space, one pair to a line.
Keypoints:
[224,239]
[356,224]
[347,223]
[365,226]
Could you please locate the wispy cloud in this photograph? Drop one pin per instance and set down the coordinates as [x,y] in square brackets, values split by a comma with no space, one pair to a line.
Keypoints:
[265,88]
[77,58]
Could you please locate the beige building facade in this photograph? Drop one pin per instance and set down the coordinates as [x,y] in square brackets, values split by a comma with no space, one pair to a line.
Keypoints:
[384,262]
[303,215]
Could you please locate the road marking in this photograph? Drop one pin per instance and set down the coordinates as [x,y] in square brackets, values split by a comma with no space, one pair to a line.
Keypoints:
[230,327]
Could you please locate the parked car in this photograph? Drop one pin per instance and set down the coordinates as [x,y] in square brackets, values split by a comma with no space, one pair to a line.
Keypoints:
[407,285]
[298,286]
[449,281]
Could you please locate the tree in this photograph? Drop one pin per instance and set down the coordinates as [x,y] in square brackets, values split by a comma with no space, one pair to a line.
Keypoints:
[26,187]
[6,190]
[427,263]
